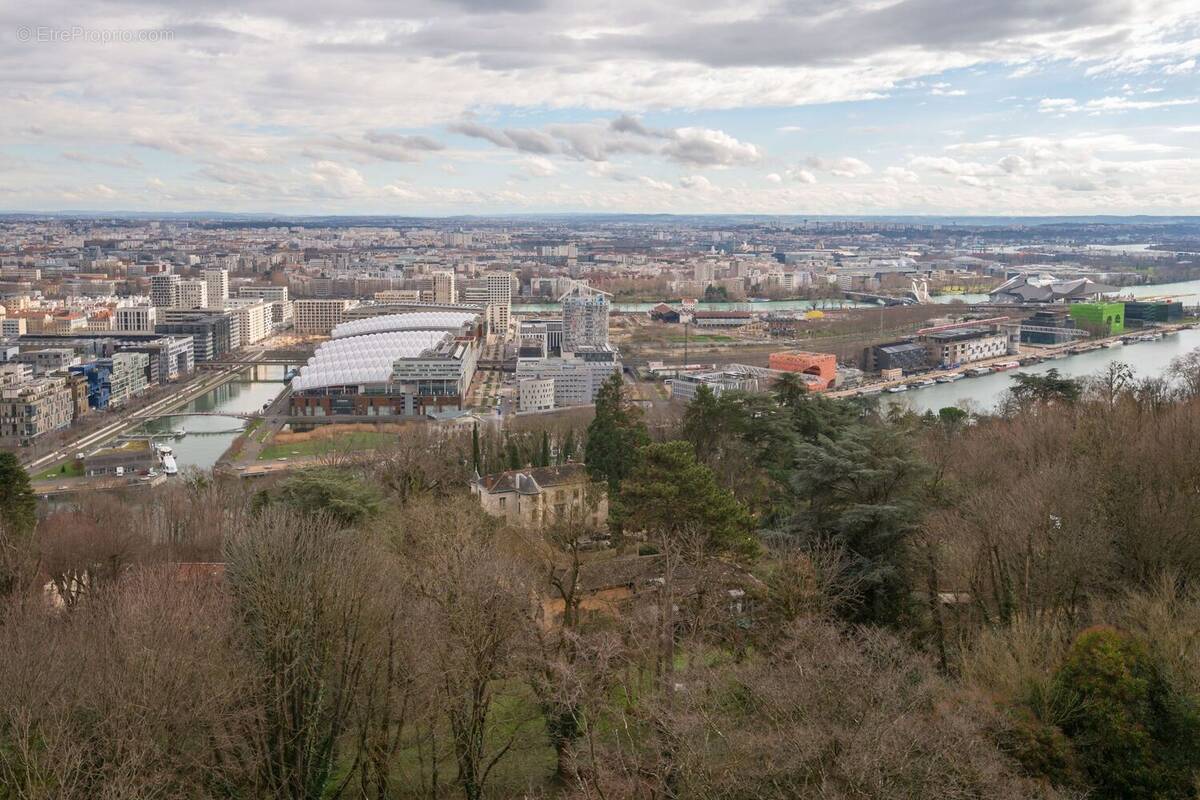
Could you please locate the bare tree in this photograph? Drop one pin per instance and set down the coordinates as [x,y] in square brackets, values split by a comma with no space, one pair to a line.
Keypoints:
[304,616]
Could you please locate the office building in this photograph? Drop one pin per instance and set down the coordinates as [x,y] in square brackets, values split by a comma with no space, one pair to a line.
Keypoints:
[164,290]
[818,370]
[210,333]
[584,317]
[136,319]
[576,381]
[535,394]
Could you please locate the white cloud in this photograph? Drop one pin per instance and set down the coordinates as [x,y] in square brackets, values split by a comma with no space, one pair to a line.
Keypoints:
[1065,105]
[537,166]
[1182,68]
[696,182]
[846,167]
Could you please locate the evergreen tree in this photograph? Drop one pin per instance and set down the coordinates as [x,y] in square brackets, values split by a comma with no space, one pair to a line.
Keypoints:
[670,492]
[544,453]
[18,518]
[18,505]
[567,451]
[475,461]
[859,493]
[1135,734]
[614,436]
[1046,388]
[514,455]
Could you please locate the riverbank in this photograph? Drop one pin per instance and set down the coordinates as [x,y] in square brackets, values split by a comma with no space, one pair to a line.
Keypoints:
[984,392]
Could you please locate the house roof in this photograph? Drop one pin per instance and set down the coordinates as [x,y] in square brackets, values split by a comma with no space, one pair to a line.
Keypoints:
[533,479]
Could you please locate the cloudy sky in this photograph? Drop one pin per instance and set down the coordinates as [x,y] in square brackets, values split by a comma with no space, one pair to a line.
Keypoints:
[484,106]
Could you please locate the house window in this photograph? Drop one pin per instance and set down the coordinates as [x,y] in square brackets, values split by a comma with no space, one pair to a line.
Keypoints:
[502,502]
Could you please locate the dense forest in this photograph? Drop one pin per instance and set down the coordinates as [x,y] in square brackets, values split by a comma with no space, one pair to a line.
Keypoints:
[824,599]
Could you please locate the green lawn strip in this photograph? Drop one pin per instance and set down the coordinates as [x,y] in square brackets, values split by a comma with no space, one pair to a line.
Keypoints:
[68,469]
[361,440]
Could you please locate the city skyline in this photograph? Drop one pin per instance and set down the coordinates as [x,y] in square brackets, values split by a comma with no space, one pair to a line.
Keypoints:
[916,107]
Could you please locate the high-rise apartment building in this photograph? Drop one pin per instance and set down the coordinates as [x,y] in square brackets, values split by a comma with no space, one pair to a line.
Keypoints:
[164,291]
[218,286]
[499,298]
[193,294]
[318,316]
[585,317]
[444,290]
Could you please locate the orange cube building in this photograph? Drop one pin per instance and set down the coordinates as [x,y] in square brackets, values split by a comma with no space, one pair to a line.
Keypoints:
[822,366]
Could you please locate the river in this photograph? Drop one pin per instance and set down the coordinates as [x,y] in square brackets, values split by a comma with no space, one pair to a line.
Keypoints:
[984,393]
[208,437]
[1187,291]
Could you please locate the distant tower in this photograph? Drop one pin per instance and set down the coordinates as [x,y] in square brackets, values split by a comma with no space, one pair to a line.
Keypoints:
[164,291]
[499,298]
[585,317]
[218,287]
[443,287]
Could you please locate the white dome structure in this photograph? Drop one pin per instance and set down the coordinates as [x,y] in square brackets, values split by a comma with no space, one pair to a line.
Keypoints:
[365,350]
[410,321]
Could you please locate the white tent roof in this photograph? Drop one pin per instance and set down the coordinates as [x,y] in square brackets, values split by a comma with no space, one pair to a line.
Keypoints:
[410,321]
[363,359]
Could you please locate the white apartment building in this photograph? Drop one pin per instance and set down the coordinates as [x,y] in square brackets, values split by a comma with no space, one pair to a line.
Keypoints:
[218,286]
[276,297]
[444,290]
[499,298]
[585,318]
[13,326]
[128,376]
[252,318]
[535,394]
[136,319]
[318,317]
[193,294]
[271,294]
[164,291]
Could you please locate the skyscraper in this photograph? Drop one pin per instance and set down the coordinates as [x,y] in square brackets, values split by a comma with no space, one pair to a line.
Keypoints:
[218,287]
[585,317]
[444,290]
[164,291]
[193,294]
[499,298]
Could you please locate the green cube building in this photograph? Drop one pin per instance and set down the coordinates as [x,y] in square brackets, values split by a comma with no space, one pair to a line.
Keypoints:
[1101,319]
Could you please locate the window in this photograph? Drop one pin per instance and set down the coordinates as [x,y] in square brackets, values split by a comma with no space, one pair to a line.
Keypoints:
[503,501]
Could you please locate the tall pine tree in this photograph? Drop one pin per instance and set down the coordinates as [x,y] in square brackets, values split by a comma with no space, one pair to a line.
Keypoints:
[614,436]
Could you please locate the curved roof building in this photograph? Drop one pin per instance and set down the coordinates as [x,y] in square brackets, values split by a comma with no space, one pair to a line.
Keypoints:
[411,321]
[367,358]
[399,364]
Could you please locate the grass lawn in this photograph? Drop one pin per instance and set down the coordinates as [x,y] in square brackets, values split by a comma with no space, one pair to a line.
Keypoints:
[702,338]
[361,440]
[70,469]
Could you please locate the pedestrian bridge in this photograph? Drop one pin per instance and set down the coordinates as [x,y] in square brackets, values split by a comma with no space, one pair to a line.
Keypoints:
[238,415]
